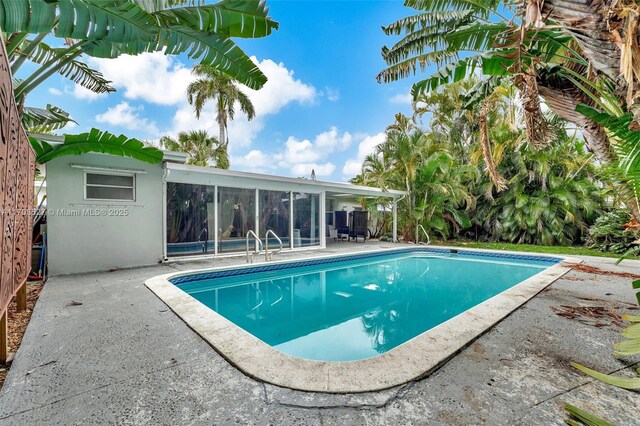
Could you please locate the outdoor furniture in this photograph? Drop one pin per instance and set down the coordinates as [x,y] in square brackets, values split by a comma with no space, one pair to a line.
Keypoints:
[359,225]
[341,225]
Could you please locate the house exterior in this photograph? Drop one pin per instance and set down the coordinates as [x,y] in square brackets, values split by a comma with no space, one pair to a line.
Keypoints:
[106,212]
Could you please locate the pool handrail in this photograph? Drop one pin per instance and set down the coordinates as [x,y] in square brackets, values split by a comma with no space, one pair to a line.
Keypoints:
[260,245]
[418,227]
[266,241]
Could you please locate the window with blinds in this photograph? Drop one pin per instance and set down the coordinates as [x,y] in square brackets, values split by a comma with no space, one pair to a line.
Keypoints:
[111,186]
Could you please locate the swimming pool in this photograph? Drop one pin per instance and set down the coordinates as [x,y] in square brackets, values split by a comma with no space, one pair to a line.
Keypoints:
[354,311]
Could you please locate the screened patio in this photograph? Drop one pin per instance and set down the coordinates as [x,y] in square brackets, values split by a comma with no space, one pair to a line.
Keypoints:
[211,212]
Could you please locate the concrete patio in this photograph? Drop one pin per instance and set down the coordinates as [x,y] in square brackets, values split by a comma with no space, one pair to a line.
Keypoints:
[122,357]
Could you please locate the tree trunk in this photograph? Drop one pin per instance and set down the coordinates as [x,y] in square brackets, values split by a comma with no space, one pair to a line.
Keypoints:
[223,142]
[536,126]
[499,181]
[563,102]
[586,21]
[606,32]
[222,120]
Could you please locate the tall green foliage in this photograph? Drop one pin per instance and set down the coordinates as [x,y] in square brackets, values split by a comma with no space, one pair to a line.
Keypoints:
[573,65]
[213,85]
[203,150]
[552,194]
[107,29]
[551,197]
[436,185]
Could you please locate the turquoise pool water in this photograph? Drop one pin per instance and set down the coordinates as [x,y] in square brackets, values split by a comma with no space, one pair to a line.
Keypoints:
[348,310]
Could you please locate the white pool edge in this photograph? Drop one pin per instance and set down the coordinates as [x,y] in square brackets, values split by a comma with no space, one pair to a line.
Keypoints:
[413,359]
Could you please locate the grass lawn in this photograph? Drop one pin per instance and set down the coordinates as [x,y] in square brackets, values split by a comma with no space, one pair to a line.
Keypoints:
[581,251]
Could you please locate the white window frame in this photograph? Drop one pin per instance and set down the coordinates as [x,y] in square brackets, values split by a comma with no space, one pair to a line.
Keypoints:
[110,173]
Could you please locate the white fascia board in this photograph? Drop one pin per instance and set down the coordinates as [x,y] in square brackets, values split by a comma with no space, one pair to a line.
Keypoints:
[211,176]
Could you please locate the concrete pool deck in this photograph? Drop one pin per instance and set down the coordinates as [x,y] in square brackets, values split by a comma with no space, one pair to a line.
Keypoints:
[123,357]
[409,361]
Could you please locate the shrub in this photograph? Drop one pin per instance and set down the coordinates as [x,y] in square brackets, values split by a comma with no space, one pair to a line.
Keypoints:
[612,232]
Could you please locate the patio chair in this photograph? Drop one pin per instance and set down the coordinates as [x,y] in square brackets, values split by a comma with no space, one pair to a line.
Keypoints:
[359,225]
[341,225]
[331,233]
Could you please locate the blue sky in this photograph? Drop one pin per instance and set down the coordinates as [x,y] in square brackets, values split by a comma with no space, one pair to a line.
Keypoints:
[322,108]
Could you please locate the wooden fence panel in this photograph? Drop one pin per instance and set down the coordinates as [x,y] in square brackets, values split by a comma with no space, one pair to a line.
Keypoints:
[17,162]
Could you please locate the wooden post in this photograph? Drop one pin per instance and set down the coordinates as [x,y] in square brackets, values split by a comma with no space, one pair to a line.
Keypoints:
[21,297]
[4,338]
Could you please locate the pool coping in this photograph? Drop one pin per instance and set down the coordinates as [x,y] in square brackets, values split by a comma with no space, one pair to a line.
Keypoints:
[412,360]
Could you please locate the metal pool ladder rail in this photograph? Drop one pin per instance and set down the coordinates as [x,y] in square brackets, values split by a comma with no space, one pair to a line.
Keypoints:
[425,234]
[255,237]
[266,249]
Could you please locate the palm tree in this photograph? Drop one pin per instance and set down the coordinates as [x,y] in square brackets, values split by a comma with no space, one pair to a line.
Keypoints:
[552,195]
[418,163]
[443,189]
[460,121]
[216,86]
[109,29]
[568,53]
[202,148]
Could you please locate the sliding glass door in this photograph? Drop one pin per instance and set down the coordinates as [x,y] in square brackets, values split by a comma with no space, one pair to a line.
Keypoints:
[236,217]
[204,219]
[273,214]
[306,219]
[190,219]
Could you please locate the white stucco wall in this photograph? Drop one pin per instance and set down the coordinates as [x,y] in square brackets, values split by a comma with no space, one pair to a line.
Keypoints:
[80,241]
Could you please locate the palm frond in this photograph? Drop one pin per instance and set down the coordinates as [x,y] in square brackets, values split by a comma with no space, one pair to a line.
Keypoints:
[418,41]
[107,29]
[229,18]
[627,141]
[32,16]
[482,7]
[112,21]
[71,68]
[44,120]
[215,50]
[96,141]
[424,20]
[410,66]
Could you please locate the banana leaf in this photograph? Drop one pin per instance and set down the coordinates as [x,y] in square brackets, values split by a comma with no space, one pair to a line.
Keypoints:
[96,141]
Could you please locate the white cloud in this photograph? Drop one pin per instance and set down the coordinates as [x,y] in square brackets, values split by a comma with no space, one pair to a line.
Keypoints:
[80,92]
[333,95]
[256,161]
[332,141]
[280,90]
[70,125]
[256,156]
[298,157]
[324,144]
[300,151]
[401,99]
[55,92]
[354,166]
[305,169]
[127,116]
[152,77]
